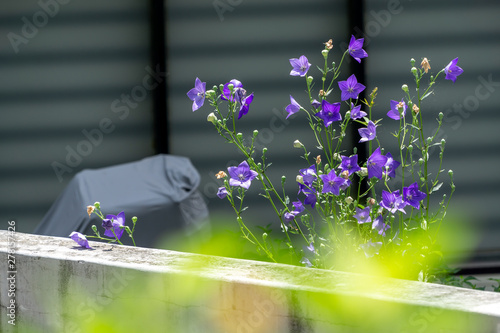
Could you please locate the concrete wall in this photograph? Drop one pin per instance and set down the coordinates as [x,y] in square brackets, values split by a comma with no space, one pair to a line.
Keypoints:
[56,286]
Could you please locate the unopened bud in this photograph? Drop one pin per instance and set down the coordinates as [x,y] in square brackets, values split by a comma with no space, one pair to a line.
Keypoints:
[230,87]
[255,133]
[410,148]
[450,172]
[404,87]
[264,150]
[209,94]
[349,200]
[310,79]
[363,172]
[420,161]
[94,228]
[325,53]
[429,140]
[414,70]
[264,236]
[212,118]
[440,115]
[299,179]
[297,144]
[134,219]
[239,136]
[97,204]
[412,62]
[443,142]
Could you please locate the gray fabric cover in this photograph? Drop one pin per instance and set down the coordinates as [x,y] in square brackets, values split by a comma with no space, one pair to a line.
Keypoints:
[160,190]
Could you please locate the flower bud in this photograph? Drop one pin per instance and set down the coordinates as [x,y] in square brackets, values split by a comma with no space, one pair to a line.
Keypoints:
[299,179]
[310,79]
[349,200]
[94,228]
[239,136]
[297,144]
[450,172]
[210,94]
[231,87]
[255,133]
[325,53]
[404,87]
[264,236]
[420,161]
[337,157]
[221,87]
[443,142]
[348,115]
[410,148]
[264,150]
[412,62]
[414,70]
[97,204]
[363,172]
[441,115]
[212,118]
[134,219]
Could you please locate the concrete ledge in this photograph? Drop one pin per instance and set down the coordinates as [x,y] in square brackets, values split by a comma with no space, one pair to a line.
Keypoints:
[60,287]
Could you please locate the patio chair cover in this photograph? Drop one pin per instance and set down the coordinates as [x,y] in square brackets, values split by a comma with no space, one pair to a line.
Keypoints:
[160,190]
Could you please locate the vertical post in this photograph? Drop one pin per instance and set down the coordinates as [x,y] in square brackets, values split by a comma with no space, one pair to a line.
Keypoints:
[356,12]
[158,56]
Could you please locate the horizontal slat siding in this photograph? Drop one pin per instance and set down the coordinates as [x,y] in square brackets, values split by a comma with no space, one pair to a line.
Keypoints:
[62,82]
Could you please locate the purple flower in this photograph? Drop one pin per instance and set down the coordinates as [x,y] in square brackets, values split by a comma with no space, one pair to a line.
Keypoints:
[117,222]
[245,104]
[241,175]
[308,175]
[293,107]
[349,164]
[363,215]
[332,182]
[452,70]
[369,133]
[379,225]
[390,166]
[197,94]
[306,262]
[412,196]
[300,66]
[392,201]
[80,239]
[221,192]
[329,112]
[315,104]
[394,111]
[356,49]
[311,198]
[299,208]
[238,91]
[375,164]
[371,248]
[350,88]
[356,112]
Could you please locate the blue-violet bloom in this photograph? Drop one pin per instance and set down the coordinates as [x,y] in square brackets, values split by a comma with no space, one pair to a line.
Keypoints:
[363,215]
[293,107]
[80,239]
[356,48]
[369,133]
[241,175]
[245,104]
[394,112]
[350,88]
[299,208]
[329,113]
[390,166]
[197,94]
[238,91]
[117,224]
[392,201]
[375,164]
[300,66]
[332,182]
[379,225]
[412,196]
[452,70]
[356,112]
[349,164]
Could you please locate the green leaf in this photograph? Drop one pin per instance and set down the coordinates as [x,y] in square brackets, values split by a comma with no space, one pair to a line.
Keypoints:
[436,187]
[427,95]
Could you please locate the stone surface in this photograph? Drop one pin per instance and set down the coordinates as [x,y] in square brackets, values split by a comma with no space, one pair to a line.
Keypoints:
[61,287]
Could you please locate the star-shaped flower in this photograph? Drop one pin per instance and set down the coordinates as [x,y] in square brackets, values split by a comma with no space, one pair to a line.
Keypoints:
[363,215]
[241,175]
[392,201]
[412,196]
[356,49]
[375,164]
[197,94]
[369,133]
[390,166]
[332,182]
[350,88]
[379,224]
[114,223]
[329,112]
[300,66]
[349,164]
[356,112]
[396,108]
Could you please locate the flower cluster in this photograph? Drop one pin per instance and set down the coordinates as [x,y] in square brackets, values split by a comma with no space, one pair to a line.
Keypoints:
[358,202]
[114,226]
